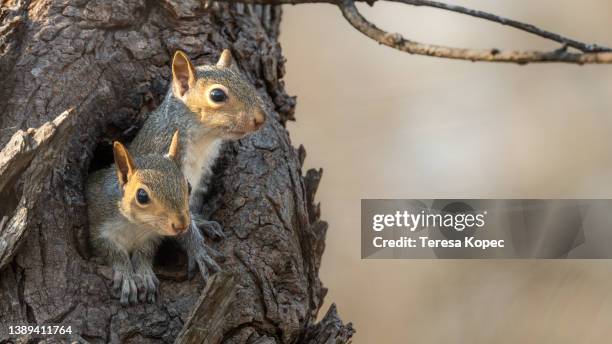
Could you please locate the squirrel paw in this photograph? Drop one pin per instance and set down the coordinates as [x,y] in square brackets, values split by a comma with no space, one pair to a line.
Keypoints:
[204,261]
[211,229]
[147,284]
[125,284]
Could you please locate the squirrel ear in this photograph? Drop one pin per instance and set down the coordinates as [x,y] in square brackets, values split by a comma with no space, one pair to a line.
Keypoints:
[173,152]
[183,73]
[123,162]
[225,61]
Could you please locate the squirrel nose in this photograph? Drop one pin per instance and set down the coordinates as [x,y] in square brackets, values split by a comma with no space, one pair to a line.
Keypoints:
[259,119]
[179,227]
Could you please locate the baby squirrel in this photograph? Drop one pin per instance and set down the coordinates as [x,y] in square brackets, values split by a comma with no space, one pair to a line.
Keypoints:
[208,104]
[131,207]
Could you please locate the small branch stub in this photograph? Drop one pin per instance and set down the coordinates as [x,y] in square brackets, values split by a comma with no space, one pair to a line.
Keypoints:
[205,324]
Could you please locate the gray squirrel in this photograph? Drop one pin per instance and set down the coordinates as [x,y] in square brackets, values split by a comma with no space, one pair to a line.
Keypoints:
[208,104]
[131,206]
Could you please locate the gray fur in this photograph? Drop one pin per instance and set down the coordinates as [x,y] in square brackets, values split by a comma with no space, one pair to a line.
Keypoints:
[128,247]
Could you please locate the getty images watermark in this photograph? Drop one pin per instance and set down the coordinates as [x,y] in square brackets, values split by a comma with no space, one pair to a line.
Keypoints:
[426,219]
[458,229]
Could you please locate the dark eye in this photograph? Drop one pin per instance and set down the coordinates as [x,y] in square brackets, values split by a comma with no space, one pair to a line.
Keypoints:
[142,197]
[217,95]
[189,187]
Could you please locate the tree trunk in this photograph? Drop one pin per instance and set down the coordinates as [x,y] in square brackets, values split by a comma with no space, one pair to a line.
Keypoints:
[109,62]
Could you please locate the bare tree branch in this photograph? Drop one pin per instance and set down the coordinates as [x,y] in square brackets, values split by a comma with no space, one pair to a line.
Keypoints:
[584,47]
[589,53]
[396,41]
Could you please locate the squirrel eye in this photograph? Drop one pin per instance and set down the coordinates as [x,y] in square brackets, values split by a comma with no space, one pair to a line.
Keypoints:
[142,197]
[189,187]
[217,95]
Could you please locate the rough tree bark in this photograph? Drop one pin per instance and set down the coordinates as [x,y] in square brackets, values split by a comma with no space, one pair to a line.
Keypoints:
[109,61]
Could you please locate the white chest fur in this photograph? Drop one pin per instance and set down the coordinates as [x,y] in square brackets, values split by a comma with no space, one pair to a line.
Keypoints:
[199,158]
[128,236]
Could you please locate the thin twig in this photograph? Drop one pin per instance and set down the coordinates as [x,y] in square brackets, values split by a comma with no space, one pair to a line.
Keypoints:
[396,41]
[584,47]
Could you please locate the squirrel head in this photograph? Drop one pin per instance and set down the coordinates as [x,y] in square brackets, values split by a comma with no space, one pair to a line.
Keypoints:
[219,96]
[155,191]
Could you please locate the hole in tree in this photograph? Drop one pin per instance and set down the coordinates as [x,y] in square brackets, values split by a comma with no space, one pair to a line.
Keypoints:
[171,261]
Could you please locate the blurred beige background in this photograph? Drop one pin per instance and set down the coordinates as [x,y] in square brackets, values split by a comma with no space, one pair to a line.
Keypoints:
[385,124]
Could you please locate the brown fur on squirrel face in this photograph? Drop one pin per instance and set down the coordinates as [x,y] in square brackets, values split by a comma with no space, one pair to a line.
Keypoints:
[217,95]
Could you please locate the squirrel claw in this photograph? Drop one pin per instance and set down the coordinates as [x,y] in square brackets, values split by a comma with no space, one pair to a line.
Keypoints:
[211,229]
[204,261]
[198,253]
[191,269]
[125,283]
[148,287]
[135,288]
